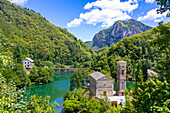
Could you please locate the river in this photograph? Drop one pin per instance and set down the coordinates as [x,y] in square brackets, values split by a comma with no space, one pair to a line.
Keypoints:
[56,89]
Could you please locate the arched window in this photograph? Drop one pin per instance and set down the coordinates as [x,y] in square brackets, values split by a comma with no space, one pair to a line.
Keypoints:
[122,72]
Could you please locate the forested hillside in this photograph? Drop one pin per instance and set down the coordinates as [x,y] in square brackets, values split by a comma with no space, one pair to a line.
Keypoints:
[140,53]
[41,40]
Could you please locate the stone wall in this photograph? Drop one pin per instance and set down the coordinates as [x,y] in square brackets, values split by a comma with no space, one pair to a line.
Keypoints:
[93,85]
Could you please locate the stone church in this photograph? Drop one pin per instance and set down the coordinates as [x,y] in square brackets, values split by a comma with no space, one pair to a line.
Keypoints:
[102,85]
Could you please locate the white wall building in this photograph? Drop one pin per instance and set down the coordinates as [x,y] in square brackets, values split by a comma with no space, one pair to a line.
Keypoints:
[28,63]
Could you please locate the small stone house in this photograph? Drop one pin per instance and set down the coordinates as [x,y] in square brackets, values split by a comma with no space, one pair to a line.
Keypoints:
[101,85]
[28,63]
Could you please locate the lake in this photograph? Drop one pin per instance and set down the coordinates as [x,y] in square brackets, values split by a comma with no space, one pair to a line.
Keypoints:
[57,88]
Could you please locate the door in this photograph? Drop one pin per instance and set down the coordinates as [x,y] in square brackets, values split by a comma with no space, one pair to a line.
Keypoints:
[104,93]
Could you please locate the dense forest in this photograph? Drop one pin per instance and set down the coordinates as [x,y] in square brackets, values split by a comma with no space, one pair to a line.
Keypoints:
[13,78]
[148,95]
[41,40]
[139,51]
[146,50]
[25,33]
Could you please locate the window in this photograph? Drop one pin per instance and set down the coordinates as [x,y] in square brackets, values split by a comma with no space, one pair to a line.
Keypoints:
[104,93]
[104,84]
[122,72]
[25,65]
[28,62]
[25,62]
[28,65]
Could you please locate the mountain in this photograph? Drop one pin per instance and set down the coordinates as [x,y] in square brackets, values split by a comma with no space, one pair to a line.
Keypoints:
[39,39]
[140,52]
[118,31]
[89,43]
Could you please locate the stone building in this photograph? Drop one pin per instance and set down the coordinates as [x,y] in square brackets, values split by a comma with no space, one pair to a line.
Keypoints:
[101,84]
[121,78]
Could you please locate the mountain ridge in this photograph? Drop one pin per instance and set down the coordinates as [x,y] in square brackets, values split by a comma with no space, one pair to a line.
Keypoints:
[119,30]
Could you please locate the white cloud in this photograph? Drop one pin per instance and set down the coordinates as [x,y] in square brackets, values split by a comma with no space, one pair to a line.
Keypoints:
[149,1]
[152,15]
[76,22]
[105,12]
[158,20]
[19,2]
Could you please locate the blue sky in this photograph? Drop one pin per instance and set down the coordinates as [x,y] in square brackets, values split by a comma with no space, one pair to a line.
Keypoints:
[85,18]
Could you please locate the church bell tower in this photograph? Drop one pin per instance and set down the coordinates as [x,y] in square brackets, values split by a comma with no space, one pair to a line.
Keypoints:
[121,78]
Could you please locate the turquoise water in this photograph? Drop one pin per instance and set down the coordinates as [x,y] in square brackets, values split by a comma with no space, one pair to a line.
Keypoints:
[127,85]
[55,89]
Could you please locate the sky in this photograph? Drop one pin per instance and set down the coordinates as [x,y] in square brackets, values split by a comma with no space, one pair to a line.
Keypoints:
[85,18]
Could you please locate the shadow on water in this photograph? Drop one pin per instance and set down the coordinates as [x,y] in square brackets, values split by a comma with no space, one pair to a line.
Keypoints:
[55,89]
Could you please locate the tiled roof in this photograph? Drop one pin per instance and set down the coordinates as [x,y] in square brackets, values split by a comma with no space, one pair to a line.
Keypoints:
[97,75]
[29,59]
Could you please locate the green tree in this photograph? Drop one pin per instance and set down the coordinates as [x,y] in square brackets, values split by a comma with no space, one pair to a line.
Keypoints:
[18,54]
[39,39]
[21,79]
[40,105]
[140,76]
[45,75]
[128,104]
[79,79]
[77,102]
[13,100]
[152,96]
[34,76]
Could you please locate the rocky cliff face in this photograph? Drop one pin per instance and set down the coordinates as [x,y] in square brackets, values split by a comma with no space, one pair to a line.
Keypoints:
[118,31]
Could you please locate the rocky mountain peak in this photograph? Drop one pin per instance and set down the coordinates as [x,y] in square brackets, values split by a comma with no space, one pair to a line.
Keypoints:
[118,31]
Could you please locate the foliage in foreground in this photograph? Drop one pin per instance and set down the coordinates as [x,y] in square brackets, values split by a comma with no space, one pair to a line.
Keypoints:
[13,100]
[152,96]
[77,102]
